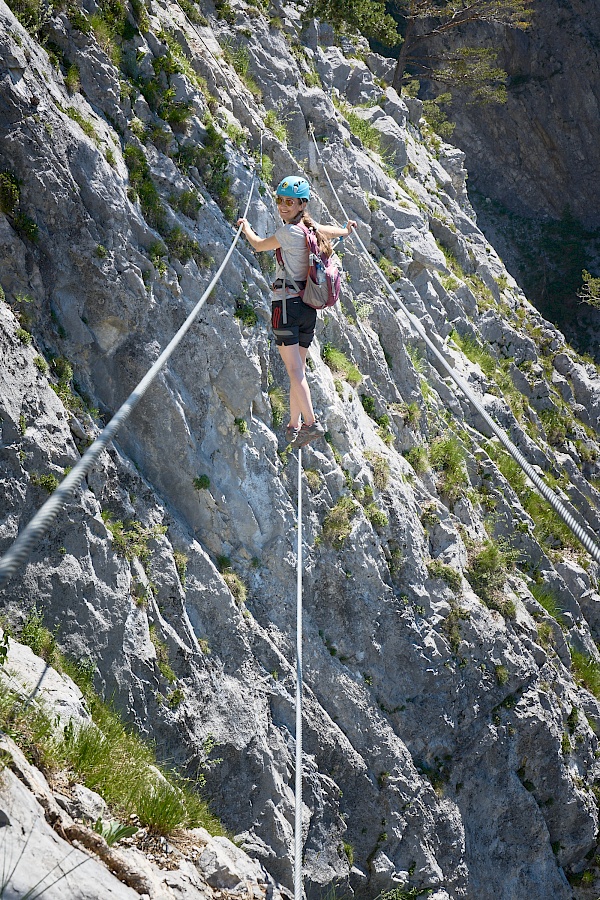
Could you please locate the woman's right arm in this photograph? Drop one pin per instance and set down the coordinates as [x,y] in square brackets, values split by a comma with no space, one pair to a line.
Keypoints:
[256,242]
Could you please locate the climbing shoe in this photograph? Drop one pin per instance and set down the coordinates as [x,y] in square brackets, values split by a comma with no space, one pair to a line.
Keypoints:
[291,434]
[308,433]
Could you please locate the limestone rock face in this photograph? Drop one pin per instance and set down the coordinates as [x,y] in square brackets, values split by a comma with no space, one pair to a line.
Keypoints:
[538,153]
[450,742]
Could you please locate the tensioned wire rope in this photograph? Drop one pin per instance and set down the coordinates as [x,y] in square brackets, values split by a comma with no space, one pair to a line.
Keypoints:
[547,493]
[33,532]
[298,761]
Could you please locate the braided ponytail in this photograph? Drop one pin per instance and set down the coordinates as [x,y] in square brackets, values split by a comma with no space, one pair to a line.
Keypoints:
[324,242]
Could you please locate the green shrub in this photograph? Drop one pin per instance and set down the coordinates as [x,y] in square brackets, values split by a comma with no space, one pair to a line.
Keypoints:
[184,248]
[447,457]
[349,851]
[85,125]
[176,112]
[224,11]
[236,586]
[32,729]
[266,169]
[40,364]
[239,58]
[453,578]
[429,515]
[435,116]
[130,540]
[367,133]
[32,14]
[160,137]
[376,516]
[181,561]
[549,528]
[162,656]
[417,359]
[24,336]
[192,12]
[586,671]
[337,525]
[509,467]
[338,362]
[313,477]
[279,405]
[9,193]
[275,125]
[241,425]
[49,481]
[201,482]
[451,625]
[418,459]
[246,313]
[157,252]
[72,82]
[188,203]
[554,426]
[143,187]
[411,414]
[501,675]
[79,20]
[391,271]
[213,165]
[26,227]
[380,467]
[35,635]
[487,573]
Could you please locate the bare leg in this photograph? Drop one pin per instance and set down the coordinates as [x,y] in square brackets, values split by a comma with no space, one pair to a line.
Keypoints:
[294,358]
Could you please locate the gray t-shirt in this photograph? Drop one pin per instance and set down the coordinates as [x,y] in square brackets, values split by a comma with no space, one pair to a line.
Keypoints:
[292,240]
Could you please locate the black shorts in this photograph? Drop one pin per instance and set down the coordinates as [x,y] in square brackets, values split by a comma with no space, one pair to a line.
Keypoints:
[301,320]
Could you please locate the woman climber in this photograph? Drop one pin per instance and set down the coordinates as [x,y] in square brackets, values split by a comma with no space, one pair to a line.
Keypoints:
[295,331]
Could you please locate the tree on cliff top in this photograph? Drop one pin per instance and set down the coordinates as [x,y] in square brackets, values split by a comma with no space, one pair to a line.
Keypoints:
[421,21]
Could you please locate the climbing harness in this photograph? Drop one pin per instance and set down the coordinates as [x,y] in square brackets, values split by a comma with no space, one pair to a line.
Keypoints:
[41,522]
[298,786]
[547,493]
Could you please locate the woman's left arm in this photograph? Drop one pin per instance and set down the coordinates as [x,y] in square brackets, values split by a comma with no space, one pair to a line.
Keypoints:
[332,231]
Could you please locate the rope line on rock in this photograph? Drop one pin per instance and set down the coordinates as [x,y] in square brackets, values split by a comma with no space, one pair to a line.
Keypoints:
[23,545]
[547,493]
[298,787]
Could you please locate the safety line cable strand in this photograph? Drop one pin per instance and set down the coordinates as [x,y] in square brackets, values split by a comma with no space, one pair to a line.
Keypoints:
[580,533]
[42,520]
[298,790]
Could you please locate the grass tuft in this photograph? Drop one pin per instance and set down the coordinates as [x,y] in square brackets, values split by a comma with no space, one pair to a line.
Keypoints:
[338,521]
[339,363]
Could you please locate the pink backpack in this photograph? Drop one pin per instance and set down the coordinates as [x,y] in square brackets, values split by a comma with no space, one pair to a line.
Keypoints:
[324,276]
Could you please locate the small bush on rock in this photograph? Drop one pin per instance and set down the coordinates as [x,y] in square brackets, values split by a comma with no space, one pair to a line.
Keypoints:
[9,193]
[453,578]
[487,573]
[447,457]
[337,525]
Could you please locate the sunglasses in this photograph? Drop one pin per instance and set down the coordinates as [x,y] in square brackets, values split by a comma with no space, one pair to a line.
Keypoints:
[286,201]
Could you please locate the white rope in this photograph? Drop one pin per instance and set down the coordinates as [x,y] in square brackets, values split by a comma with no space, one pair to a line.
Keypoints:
[580,533]
[298,790]
[41,522]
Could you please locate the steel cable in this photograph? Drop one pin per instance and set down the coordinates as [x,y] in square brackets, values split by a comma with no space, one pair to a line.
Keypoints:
[547,493]
[43,519]
[298,787]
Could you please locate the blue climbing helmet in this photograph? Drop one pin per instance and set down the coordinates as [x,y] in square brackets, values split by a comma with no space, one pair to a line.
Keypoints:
[294,186]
